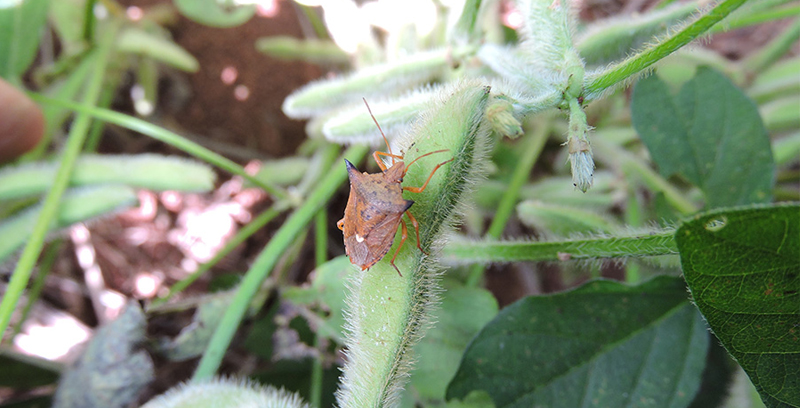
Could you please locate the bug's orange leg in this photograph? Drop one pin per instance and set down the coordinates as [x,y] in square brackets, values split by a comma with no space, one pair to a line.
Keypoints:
[426,154]
[340,224]
[403,236]
[421,189]
[380,162]
[416,229]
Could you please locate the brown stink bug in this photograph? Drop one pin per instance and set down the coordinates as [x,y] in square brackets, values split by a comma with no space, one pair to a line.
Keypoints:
[376,206]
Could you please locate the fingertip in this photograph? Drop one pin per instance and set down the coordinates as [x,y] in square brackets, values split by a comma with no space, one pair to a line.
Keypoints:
[22,122]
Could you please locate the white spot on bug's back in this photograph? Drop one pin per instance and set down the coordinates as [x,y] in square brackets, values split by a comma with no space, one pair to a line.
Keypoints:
[359,238]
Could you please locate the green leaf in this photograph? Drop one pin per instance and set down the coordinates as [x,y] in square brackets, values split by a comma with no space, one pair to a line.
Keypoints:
[603,344]
[710,133]
[24,372]
[113,369]
[743,269]
[137,41]
[463,312]
[148,171]
[20,30]
[193,338]
[76,205]
[215,13]
[310,50]
[327,291]
[561,219]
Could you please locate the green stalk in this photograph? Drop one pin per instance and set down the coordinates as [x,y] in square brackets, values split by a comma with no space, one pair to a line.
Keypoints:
[89,21]
[48,259]
[618,73]
[321,255]
[77,136]
[633,167]
[321,238]
[465,28]
[163,135]
[266,261]
[533,148]
[464,252]
[634,218]
[772,52]
[757,18]
[521,174]
[106,98]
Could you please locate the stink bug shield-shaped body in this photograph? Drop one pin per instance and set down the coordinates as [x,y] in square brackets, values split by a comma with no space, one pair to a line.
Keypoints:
[376,206]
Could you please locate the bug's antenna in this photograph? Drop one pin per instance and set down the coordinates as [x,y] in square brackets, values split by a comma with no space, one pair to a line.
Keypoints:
[389,148]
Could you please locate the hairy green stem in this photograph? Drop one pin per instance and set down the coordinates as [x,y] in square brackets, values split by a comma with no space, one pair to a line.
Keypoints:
[620,72]
[77,136]
[387,314]
[459,252]
[266,261]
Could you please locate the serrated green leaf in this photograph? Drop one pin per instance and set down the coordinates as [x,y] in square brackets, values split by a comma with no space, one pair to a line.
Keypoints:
[215,13]
[76,205]
[603,344]
[463,312]
[710,133]
[21,27]
[743,269]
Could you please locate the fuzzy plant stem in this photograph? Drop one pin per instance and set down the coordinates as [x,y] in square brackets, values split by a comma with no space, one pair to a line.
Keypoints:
[266,261]
[662,243]
[386,313]
[77,135]
[620,72]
